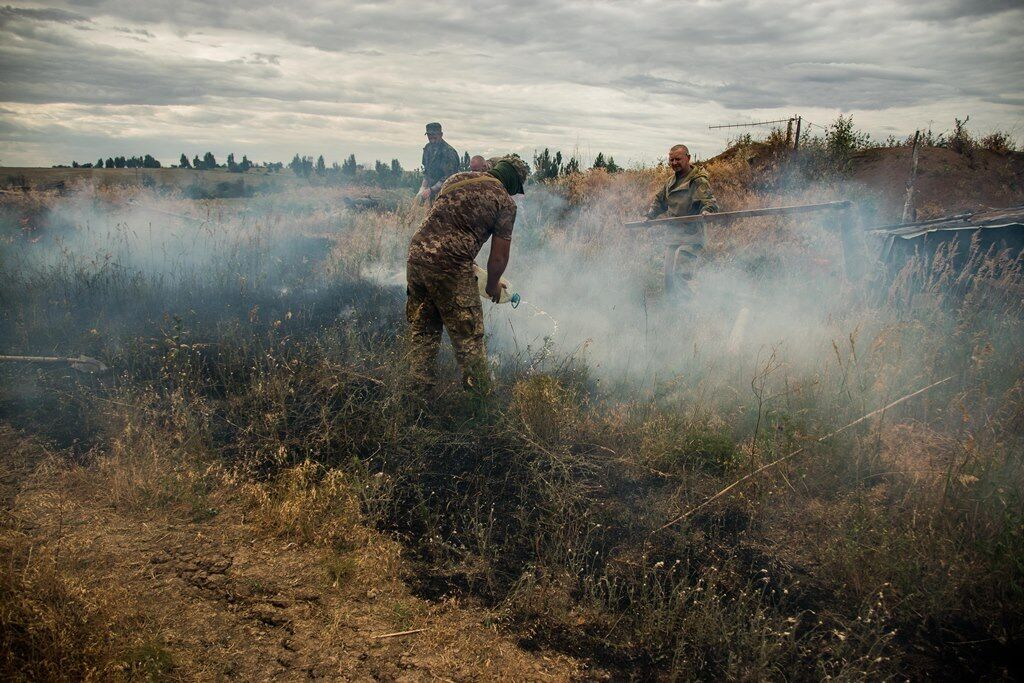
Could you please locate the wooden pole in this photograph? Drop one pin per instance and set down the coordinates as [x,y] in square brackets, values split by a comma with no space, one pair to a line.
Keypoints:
[789,133]
[35,359]
[853,246]
[908,203]
[796,143]
[670,267]
[727,216]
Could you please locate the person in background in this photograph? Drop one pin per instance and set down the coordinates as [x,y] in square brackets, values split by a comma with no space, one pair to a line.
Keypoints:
[478,163]
[686,193]
[440,160]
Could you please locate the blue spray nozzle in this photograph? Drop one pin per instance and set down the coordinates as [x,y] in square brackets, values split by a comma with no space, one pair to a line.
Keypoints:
[515,300]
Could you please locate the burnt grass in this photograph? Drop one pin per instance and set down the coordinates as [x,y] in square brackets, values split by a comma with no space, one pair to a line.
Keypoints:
[533,499]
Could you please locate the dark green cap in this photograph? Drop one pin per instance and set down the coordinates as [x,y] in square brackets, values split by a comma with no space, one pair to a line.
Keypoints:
[434,127]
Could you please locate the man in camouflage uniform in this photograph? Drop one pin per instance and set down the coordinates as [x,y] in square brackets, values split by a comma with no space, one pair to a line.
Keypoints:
[442,288]
[686,193]
[440,160]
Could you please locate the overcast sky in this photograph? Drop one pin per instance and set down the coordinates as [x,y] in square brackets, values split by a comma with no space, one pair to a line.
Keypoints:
[79,80]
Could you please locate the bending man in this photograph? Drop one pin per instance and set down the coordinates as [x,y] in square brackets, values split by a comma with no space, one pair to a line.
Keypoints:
[686,193]
[442,289]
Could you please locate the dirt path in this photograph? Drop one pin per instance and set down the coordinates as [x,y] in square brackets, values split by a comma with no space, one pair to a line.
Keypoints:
[227,601]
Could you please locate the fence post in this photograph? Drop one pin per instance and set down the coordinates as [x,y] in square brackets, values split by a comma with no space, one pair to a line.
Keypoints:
[670,266]
[908,203]
[853,245]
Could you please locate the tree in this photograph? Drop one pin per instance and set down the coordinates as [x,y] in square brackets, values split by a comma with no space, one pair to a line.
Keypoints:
[599,162]
[321,166]
[571,166]
[183,161]
[612,166]
[197,163]
[209,161]
[464,166]
[546,166]
[99,163]
[842,140]
[119,162]
[383,173]
[301,166]
[150,162]
[232,164]
[349,166]
[109,163]
[245,165]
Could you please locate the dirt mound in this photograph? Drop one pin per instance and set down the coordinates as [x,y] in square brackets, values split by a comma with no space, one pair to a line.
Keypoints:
[947,181]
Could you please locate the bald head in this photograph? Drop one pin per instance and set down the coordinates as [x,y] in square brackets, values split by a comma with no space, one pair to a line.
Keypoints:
[679,159]
[478,163]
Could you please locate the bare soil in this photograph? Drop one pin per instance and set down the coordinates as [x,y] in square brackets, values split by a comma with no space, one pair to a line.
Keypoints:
[947,182]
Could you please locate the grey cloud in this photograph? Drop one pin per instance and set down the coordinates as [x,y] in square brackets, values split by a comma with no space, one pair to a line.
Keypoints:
[8,14]
[537,61]
[958,9]
[69,71]
[134,31]
[263,58]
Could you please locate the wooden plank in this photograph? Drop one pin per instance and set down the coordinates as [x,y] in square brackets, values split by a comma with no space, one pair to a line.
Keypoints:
[727,216]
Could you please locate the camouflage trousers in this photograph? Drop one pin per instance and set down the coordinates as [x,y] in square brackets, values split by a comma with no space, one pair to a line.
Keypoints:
[445,299]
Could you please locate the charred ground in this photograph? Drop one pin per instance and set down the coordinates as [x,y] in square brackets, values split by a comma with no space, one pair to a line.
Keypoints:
[255,481]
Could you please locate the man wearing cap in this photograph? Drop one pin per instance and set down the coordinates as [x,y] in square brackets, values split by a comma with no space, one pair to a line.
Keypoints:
[686,193]
[440,160]
[441,287]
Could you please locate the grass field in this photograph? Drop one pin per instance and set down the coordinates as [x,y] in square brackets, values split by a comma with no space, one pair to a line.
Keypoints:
[257,354]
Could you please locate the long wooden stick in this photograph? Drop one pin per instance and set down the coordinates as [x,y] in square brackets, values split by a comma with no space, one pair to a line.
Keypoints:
[726,216]
[81,363]
[400,633]
[798,451]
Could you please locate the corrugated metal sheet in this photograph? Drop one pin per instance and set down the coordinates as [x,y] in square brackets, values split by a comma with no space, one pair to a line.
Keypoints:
[994,228]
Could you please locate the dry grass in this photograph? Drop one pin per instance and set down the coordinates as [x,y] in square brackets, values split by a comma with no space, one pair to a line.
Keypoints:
[269,381]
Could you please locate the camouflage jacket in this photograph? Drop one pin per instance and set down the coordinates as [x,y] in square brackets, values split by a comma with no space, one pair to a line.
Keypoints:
[440,160]
[686,196]
[469,209]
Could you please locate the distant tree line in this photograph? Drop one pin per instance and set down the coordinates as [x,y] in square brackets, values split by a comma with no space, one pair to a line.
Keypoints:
[547,166]
[381,173]
[146,161]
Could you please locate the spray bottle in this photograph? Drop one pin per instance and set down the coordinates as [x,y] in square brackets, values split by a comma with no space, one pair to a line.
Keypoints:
[506,288]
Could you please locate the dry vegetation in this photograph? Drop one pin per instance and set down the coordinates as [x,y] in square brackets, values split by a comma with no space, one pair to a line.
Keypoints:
[257,399]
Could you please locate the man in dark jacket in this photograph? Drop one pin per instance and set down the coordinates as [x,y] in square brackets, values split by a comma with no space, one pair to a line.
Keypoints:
[440,160]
